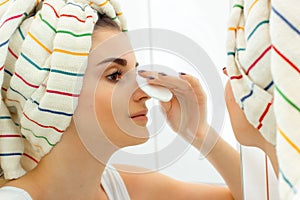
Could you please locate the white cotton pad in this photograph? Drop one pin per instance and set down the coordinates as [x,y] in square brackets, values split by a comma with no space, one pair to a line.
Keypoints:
[157,92]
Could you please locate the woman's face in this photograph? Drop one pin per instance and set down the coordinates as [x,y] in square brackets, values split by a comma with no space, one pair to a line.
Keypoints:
[119,103]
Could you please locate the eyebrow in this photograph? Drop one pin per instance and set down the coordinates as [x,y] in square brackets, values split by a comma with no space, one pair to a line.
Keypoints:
[119,61]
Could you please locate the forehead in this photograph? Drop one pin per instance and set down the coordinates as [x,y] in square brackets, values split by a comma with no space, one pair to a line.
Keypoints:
[100,35]
[111,43]
[109,38]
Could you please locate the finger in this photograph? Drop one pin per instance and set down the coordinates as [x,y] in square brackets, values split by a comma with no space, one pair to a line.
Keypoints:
[196,86]
[120,14]
[166,106]
[193,81]
[162,79]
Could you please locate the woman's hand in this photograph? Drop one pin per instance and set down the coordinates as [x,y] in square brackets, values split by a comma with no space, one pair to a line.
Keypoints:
[189,107]
[245,133]
[186,111]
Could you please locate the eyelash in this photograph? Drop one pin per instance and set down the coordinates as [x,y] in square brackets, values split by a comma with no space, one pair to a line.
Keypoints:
[117,73]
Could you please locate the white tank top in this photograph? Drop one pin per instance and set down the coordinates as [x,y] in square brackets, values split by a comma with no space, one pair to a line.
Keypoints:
[113,184]
[111,180]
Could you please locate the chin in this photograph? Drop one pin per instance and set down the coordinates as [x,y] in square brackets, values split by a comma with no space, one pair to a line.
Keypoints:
[133,141]
[141,141]
[140,123]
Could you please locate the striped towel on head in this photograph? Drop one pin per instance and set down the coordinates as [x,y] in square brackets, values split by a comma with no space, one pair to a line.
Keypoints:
[43,48]
[248,63]
[285,35]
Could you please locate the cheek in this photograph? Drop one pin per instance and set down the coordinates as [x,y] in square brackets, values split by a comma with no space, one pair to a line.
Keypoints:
[113,127]
[103,103]
[104,111]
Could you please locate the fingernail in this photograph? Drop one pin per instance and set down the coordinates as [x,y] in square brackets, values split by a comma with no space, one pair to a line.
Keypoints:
[151,77]
[161,73]
[224,68]
[182,73]
[142,71]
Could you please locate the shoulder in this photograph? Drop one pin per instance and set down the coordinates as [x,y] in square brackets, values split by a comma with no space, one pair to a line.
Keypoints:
[144,184]
[13,193]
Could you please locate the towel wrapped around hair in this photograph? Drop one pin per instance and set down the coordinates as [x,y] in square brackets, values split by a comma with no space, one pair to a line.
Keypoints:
[44,47]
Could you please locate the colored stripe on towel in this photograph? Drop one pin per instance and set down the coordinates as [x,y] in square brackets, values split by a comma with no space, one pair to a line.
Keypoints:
[288,140]
[258,59]
[263,115]
[11,18]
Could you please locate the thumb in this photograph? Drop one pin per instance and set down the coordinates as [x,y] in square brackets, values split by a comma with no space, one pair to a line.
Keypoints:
[166,106]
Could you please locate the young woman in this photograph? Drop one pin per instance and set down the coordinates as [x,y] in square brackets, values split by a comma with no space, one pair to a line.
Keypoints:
[70,171]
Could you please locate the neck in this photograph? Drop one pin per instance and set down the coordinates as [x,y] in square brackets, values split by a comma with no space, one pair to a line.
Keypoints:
[67,172]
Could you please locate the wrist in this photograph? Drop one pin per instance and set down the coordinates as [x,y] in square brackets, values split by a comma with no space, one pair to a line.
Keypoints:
[205,139]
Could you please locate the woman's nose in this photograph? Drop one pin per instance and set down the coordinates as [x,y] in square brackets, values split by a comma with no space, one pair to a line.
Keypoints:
[140,95]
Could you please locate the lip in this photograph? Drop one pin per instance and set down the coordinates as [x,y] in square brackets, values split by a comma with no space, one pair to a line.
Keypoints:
[141,114]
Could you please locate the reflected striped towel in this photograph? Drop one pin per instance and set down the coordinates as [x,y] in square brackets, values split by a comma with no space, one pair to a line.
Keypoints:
[248,63]
[272,41]
[285,35]
[43,48]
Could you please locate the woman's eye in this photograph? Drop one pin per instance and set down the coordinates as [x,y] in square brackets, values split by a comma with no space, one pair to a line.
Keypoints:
[114,77]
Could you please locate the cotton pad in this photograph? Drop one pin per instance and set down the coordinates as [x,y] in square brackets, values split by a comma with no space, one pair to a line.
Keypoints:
[157,92]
